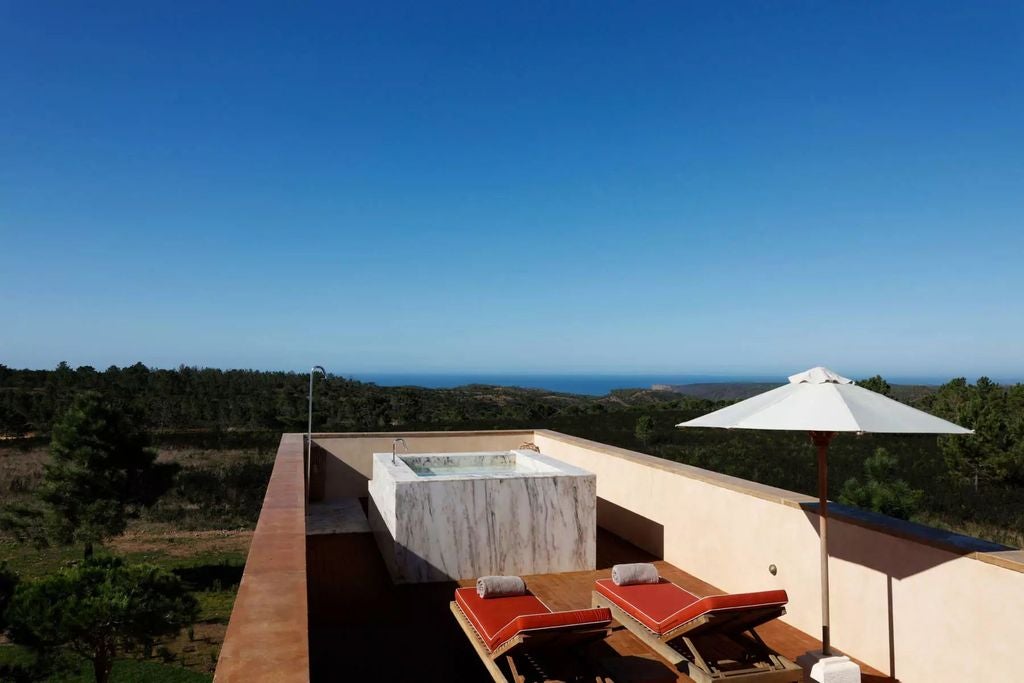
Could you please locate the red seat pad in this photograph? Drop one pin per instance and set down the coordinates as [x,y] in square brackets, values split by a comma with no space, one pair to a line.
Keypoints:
[499,619]
[663,606]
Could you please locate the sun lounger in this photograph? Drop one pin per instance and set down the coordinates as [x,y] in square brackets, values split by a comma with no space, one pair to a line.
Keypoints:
[709,639]
[501,629]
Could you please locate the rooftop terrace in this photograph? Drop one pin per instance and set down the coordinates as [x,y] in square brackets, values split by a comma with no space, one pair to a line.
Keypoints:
[317,603]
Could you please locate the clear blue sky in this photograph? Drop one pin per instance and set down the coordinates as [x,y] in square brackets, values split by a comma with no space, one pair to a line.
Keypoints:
[520,187]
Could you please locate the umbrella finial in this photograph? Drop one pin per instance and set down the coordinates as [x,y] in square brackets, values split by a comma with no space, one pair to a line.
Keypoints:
[819,375]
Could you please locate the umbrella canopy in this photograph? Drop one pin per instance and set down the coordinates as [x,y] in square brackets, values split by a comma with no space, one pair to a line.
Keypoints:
[822,402]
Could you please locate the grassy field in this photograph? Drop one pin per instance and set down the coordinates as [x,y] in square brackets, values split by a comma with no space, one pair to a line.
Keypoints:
[210,564]
[124,671]
[204,543]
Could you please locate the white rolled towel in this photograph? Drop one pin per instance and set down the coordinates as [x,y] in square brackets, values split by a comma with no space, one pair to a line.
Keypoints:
[500,586]
[629,574]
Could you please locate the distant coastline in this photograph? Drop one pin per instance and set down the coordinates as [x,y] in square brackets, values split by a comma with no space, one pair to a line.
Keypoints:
[590,385]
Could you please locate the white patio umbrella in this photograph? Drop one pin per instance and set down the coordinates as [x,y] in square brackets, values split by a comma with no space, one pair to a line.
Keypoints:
[821,402]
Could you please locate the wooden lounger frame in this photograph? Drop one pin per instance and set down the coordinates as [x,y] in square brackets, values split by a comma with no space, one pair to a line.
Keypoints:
[770,666]
[526,644]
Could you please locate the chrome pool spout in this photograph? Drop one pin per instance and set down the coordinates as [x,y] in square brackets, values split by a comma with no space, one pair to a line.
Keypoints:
[394,448]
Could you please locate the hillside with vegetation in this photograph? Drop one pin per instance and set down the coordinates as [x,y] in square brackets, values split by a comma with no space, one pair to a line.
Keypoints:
[737,391]
[193,449]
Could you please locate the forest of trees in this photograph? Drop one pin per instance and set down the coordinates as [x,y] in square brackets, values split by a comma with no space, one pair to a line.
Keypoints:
[101,474]
[973,484]
[209,399]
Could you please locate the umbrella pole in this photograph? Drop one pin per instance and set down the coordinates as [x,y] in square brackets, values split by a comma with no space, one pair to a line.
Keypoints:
[822,441]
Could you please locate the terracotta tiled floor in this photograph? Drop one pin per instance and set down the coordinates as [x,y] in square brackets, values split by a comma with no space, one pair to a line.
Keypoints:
[364,628]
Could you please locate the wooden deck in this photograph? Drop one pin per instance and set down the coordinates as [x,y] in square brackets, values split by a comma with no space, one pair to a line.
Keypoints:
[362,627]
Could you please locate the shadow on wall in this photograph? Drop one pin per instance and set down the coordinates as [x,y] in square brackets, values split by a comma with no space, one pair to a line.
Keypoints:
[332,478]
[640,531]
[854,541]
[317,472]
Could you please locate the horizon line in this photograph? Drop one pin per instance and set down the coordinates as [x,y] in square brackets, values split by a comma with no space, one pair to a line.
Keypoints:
[726,376]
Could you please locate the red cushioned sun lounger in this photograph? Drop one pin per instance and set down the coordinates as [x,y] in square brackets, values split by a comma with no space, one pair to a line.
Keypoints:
[710,638]
[500,628]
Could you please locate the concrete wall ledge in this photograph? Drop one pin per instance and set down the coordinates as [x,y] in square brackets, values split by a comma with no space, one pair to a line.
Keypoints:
[268,635]
[319,436]
[983,551]
[968,546]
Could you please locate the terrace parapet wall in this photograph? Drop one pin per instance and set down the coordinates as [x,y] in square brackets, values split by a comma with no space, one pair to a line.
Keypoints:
[918,603]
[268,635]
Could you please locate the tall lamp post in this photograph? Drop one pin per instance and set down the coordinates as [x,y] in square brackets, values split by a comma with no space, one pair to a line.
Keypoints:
[309,430]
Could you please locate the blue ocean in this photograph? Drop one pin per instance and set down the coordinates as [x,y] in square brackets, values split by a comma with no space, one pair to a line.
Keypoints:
[593,385]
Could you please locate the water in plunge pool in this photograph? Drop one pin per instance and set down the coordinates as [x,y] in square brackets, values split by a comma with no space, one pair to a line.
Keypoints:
[495,470]
[473,465]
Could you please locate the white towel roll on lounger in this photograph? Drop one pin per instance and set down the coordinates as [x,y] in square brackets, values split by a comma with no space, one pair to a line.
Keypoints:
[500,586]
[629,574]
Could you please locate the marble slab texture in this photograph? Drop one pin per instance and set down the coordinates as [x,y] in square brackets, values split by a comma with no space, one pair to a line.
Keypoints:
[541,519]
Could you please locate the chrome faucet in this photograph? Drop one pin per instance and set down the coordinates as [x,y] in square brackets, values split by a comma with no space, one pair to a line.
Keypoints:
[394,448]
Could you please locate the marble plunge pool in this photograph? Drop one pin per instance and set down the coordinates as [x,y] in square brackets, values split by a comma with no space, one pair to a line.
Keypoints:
[444,516]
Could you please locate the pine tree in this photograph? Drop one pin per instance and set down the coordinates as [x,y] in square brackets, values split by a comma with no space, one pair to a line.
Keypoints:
[101,473]
[99,610]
